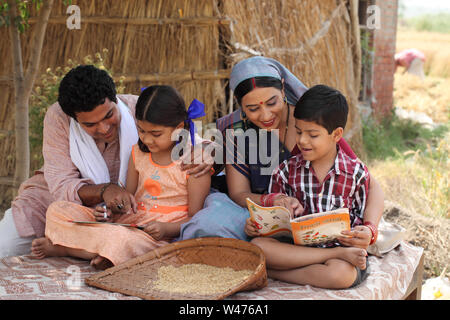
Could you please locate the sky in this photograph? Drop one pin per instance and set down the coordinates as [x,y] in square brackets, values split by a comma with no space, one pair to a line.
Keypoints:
[417,7]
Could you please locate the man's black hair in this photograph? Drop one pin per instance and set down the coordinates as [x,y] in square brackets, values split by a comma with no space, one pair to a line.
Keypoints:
[324,105]
[84,88]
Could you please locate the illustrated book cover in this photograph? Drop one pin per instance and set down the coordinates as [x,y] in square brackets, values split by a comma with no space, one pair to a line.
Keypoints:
[312,229]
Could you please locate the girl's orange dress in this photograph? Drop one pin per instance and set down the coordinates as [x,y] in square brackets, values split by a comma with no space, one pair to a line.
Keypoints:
[161,195]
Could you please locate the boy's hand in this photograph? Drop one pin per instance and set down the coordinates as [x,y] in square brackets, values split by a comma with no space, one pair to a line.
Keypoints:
[156,229]
[360,237]
[251,228]
[291,203]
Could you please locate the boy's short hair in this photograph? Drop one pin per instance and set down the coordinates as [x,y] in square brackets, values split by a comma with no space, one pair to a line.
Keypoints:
[324,105]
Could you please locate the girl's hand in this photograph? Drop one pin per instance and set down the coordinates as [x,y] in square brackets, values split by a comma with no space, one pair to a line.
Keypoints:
[251,228]
[119,200]
[156,229]
[102,214]
[360,237]
[291,203]
[199,161]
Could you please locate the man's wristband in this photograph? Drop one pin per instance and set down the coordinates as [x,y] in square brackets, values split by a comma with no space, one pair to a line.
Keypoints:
[103,189]
[374,231]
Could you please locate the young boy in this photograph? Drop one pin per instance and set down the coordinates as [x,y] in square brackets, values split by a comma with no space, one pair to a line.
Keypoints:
[318,178]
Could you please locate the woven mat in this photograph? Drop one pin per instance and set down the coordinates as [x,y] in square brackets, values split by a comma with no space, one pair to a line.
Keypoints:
[22,277]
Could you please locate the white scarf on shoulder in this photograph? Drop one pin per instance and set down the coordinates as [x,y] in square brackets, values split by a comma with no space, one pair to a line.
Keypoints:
[88,159]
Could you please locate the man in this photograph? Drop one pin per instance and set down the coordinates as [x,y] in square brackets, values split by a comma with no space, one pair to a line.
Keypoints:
[88,136]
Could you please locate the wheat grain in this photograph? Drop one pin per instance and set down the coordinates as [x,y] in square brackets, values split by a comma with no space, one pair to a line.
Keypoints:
[198,279]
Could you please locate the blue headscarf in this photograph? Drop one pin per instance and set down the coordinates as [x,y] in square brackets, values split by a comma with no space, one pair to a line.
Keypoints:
[267,67]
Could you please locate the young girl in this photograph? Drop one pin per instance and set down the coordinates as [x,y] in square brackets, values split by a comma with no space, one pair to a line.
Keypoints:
[164,195]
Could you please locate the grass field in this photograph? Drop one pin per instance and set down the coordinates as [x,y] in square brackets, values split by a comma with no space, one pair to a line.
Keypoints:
[412,162]
[403,153]
[435,46]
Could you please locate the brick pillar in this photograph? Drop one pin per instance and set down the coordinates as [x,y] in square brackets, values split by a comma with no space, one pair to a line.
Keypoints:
[384,64]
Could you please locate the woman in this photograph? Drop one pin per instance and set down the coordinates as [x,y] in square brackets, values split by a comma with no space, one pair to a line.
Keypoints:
[267,93]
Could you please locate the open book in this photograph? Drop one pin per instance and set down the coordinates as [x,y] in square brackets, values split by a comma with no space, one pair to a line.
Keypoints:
[306,230]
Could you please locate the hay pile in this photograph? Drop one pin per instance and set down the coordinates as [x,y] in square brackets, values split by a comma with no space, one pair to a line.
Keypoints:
[193,45]
[315,39]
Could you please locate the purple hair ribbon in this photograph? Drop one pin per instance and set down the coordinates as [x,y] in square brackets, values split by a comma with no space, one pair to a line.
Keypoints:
[196,110]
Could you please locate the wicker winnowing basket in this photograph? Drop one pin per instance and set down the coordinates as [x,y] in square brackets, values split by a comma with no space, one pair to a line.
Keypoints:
[132,277]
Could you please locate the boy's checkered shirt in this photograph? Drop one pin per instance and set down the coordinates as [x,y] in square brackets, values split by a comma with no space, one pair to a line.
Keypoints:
[345,185]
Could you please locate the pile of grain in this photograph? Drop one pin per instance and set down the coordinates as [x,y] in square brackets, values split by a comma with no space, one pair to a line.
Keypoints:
[200,279]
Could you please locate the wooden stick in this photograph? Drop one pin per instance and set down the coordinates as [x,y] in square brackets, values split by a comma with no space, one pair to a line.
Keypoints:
[130,225]
[176,76]
[7,181]
[154,77]
[205,21]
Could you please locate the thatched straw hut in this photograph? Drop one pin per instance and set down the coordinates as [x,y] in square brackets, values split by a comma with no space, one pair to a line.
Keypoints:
[193,45]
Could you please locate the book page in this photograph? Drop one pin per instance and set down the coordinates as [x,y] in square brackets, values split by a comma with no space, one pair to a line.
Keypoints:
[270,221]
[319,228]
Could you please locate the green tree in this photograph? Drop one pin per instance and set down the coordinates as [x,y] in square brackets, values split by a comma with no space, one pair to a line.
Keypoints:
[14,15]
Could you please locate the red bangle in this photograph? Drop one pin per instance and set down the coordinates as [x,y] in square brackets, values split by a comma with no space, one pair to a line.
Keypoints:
[261,199]
[267,199]
[374,231]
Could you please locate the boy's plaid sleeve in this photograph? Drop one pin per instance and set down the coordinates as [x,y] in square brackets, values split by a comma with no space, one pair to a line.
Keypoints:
[361,194]
[279,179]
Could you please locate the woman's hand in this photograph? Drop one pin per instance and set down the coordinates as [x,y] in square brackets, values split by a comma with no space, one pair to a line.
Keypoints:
[251,228]
[291,203]
[157,230]
[360,237]
[119,200]
[199,161]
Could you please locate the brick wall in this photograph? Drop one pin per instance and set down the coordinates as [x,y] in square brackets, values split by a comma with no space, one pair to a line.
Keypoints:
[384,64]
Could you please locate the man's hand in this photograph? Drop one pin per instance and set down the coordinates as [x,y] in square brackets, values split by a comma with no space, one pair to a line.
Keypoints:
[119,200]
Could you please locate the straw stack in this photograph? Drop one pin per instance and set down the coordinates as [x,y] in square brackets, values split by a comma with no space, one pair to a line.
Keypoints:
[314,39]
[193,45]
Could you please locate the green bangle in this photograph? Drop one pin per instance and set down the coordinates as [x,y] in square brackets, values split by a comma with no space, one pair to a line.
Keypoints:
[103,189]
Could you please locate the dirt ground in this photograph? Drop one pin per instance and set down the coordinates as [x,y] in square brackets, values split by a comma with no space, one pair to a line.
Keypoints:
[430,233]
